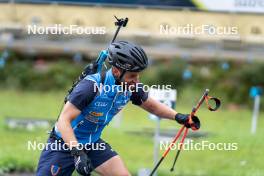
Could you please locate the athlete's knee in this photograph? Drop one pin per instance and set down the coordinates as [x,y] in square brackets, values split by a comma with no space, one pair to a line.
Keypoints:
[123,173]
[119,172]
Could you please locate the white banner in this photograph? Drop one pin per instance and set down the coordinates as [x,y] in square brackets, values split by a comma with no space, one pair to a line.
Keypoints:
[252,6]
[167,97]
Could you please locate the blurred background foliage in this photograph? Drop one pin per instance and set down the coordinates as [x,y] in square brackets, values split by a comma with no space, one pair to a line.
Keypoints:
[231,80]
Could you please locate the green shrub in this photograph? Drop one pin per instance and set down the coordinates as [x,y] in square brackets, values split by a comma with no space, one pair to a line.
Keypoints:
[233,84]
[23,75]
[168,73]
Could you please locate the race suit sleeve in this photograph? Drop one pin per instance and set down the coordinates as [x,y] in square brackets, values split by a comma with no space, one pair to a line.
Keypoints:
[83,94]
[139,95]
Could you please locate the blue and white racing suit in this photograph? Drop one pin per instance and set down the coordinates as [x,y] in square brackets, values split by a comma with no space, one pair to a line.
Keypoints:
[98,106]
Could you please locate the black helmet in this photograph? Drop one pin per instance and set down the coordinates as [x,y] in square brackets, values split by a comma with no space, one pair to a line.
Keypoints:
[127,56]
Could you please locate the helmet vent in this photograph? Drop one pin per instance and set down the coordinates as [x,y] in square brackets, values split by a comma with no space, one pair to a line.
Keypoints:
[121,54]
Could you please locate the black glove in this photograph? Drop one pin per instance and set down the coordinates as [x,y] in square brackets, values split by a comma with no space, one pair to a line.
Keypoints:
[81,161]
[183,119]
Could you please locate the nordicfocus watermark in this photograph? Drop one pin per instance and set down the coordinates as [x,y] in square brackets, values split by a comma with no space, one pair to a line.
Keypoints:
[190,29]
[57,146]
[203,145]
[124,86]
[58,29]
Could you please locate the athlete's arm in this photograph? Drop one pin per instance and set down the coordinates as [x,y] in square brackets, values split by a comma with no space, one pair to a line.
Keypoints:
[69,113]
[80,97]
[151,105]
[159,109]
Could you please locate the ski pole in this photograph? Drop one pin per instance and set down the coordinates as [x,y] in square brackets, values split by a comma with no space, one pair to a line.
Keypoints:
[194,110]
[206,98]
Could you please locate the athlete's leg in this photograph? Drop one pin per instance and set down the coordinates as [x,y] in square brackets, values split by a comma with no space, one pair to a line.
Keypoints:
[55,162]
[106,161]
[113,167]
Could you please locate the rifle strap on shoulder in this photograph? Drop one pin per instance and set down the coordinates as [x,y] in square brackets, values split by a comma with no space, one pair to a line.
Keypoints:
[103,74]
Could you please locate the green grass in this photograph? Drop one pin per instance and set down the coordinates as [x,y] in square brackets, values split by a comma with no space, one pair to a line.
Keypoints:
[137,150]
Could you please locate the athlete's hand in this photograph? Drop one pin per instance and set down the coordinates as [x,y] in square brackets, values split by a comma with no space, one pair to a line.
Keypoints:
[81,161]
[183,119]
